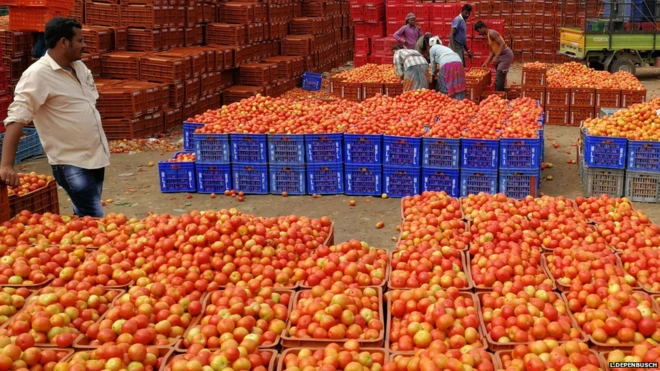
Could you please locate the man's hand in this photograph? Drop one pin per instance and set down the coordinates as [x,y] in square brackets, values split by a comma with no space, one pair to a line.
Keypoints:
[469,54]
[484,65]
[8,176]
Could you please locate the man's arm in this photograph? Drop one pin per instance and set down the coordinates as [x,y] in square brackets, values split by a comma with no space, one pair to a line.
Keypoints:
[398,36]
[451,37]
[9,147]
[29,96]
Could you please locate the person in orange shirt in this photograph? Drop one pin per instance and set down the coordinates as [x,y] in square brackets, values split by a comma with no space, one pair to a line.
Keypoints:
[58,94]
[500,54]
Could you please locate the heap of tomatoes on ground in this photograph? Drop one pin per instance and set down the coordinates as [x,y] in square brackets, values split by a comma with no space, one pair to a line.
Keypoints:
[536,280]
[412,114]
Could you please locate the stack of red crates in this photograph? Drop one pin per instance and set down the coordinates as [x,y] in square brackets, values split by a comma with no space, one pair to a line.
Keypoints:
[369,19]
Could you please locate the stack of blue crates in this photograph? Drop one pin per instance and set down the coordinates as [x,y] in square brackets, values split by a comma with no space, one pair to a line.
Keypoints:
[212,162]
[286,160]
[325,164]
[479,161]
[401,165]
[363,169]
[249,157]
[441,158]
[520,165]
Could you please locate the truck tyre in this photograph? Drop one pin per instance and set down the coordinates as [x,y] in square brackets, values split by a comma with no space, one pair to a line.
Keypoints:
[623,64]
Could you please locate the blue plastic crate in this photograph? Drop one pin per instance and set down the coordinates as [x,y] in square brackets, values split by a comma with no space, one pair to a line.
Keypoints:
[288,178]
[475,181]
[401,151]
[401,181]
[541,138]
[441,153]
[364,180]
[519,183]
[439,180]
[523,153]
[363,149]
[250,178]
[176,176]
[605,152]
[643,156]
[480,154]
[325,179]
[324,148]
[249,148]
[213,178]
[286,149]
[212,148]
[28,146]
[312,81]
[188,130]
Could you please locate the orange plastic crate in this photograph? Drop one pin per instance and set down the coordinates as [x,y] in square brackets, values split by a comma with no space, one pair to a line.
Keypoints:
[59,4]
[144,40]
[31,18]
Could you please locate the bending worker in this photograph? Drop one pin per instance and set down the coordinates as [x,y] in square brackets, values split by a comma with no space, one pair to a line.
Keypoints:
[449,67]
[500,54]
[411,66]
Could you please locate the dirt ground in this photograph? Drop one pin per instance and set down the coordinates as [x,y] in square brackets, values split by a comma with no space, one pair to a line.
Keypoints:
[133,187]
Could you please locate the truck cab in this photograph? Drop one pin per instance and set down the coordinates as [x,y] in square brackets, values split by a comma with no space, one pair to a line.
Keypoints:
[621,39]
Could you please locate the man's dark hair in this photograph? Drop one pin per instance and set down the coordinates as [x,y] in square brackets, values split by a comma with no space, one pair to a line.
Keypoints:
[479,25]
[58,28]
[396,47]
[466,7]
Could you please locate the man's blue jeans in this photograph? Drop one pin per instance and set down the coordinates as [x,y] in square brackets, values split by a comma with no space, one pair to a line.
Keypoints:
[84,187]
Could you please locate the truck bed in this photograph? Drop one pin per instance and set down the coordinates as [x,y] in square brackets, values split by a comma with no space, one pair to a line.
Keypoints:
[575,42]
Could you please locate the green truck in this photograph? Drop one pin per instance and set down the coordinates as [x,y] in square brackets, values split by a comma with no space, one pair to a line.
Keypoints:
[621,39]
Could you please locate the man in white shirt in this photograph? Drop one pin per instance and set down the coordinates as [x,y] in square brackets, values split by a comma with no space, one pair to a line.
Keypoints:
[58,94]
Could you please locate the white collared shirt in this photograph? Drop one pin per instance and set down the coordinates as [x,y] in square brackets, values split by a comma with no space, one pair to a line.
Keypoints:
[63,109]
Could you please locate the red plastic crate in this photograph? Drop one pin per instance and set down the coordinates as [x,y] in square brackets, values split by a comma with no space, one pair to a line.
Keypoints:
[630,97]
[536,93]
[374,13]
[15,67]
[146,16]
[299,45]
[121,65]
[583,98]
[15,43]
[421,11]
[556,115]
[101,14]
[236,12]
[225,34]
[144,40]
[237,93]
[357,12]
[98,39]
[608,98]
[557,97]
[93,62]
[579,114]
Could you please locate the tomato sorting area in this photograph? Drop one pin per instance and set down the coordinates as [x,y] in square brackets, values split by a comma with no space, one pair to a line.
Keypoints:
[415,142]
[484,281]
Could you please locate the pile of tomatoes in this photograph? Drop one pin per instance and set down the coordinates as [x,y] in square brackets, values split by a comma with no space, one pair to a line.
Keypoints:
[412,114]
[29,182]
[226,288]
[577,75]
[637,122]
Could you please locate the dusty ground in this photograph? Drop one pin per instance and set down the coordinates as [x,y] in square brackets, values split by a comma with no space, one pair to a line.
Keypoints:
[134,188]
